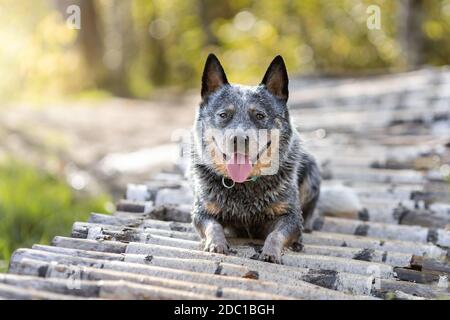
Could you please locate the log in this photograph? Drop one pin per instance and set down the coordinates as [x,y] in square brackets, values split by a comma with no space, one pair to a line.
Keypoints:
[166,196]
[424,218]
[374,209]
[399,295]
[172,212]
[382,230]
[137,192]
[395,259]
[59,286]
[162,193]
[426,197]
[296,290]
[319,238]
[165,212]
[10,292]
[417,276]
[316,262]
[425,264]
[345,240]
[440,209]
[64,271]
[81,230]
[102,289]
[292,259]
[400,212]
[134,206]
[386,192]
[133,221]
[440,191]
[177,207]
[378,175]
[349,283]
[369,189]
[387,287]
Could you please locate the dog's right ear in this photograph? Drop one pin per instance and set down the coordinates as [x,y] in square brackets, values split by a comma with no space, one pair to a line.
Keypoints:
[213,76]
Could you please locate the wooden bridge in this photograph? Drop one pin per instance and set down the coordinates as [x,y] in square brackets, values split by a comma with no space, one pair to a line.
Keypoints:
[386,137]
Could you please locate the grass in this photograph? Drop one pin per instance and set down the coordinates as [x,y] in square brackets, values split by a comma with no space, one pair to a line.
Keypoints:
[35,206]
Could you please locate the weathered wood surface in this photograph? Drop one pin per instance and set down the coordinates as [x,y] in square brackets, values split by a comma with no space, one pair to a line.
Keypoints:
[105,232]
[383,230]
[106,289]
[14,292]
[298,289]
[380,209]
[75,274]
[349,283]
[334,239]
[387,139]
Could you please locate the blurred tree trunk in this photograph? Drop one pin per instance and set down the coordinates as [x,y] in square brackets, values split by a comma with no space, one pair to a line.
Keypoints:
[90,38]
[119,45]
[410,35]
[159,66]
[206,19]
[105,41]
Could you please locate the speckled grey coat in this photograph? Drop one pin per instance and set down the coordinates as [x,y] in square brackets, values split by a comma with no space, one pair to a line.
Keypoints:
[272,207]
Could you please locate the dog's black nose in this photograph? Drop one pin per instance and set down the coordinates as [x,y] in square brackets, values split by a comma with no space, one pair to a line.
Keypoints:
[240,141]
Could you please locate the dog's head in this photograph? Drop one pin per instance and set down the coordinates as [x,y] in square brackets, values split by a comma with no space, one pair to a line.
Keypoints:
[242,131]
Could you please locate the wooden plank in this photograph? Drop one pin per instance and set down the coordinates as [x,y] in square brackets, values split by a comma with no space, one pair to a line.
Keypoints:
[383,230]
[297,290]
[319,238]
[105,232]
[12,292]
[64,271]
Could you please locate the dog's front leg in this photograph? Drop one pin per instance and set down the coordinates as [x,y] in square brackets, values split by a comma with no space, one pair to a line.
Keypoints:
[211,231]
[287,229]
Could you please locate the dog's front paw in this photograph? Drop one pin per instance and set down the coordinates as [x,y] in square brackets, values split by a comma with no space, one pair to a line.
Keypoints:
[217,247]
[270,254]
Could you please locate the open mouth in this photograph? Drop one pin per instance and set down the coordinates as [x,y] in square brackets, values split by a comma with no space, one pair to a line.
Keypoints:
[239,165]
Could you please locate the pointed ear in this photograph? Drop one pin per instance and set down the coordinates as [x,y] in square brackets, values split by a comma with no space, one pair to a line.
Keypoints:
[213,76]
[276,79]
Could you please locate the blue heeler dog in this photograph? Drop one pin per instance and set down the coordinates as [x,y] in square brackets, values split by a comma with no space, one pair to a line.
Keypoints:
[231,192]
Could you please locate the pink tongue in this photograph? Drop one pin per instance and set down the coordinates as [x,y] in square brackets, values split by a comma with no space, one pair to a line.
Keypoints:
[239,167]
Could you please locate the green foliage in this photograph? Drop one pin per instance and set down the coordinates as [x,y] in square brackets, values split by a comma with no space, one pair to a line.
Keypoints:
[38,56]
[143,44]
[36,206]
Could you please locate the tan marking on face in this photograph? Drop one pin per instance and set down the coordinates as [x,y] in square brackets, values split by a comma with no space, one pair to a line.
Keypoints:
[252,107]
[278,123]
[278,208]
[212,208]
[259,166]
[216,157]
[218,162]
[221,168]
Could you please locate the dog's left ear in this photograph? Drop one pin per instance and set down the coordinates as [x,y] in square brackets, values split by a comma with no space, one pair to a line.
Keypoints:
[276,79]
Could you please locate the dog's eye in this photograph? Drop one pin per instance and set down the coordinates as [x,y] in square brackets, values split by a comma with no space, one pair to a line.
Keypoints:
[223,115]
[260,116]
